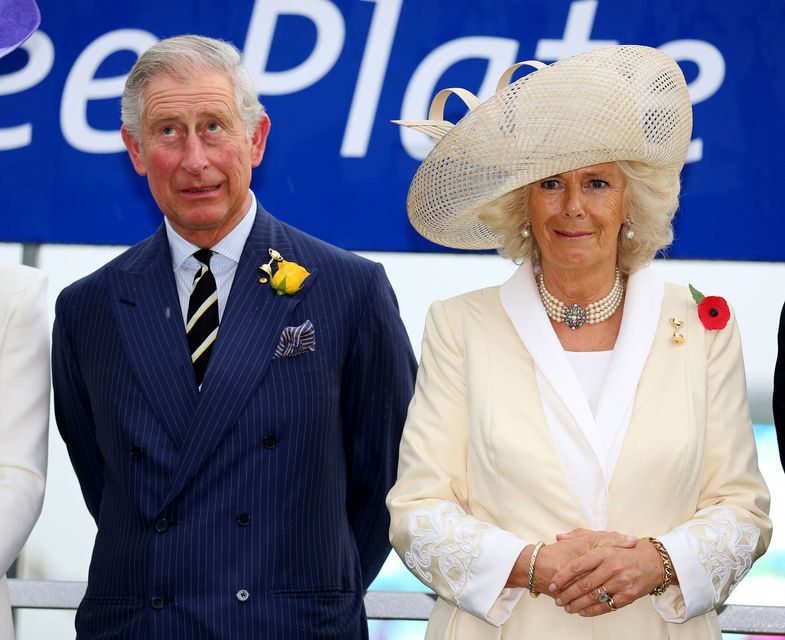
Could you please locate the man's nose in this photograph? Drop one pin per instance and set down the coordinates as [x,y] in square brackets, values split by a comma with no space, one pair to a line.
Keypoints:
[194,156]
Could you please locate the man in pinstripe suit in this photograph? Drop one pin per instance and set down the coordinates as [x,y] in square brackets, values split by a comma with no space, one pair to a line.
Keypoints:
[241,497]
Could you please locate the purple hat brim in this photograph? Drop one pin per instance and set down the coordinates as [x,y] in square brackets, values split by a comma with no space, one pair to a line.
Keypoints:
[18,20]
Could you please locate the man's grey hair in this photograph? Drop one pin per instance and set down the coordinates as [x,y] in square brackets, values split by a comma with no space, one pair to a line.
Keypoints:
[182,56]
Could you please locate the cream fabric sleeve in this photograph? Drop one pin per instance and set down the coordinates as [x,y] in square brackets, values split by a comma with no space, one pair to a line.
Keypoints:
[715,549]
[464,560]
[24,403]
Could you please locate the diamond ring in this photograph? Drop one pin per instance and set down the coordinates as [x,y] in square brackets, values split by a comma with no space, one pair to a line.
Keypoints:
[604,596]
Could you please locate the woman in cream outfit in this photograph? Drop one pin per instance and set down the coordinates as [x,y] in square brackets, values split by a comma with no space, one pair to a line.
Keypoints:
[24,414]
[541,424]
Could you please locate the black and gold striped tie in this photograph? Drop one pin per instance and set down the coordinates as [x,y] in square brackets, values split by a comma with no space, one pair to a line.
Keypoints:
[202,323]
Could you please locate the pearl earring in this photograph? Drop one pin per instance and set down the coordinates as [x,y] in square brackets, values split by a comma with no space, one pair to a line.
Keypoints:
[629,233]
[525,232]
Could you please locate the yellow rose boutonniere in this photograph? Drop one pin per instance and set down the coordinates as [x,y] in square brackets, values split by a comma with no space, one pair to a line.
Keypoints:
[288,278]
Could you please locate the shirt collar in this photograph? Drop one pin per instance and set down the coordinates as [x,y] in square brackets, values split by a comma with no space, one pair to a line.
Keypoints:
[230,246]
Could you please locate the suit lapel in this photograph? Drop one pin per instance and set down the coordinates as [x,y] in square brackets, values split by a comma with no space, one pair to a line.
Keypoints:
[149,319]
[250,329]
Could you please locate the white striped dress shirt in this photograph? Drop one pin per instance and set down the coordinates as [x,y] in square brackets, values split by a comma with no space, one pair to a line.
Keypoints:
[223,264]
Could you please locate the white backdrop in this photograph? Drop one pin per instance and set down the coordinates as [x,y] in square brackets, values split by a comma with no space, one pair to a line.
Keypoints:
[59,548]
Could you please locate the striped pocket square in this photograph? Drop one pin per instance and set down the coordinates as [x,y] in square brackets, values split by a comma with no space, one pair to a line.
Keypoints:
[296,341]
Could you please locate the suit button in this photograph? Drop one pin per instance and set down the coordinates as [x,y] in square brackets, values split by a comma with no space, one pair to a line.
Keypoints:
[161,525]
[244,519]
[157,602]
[269,442]
[137,453]
[242,595]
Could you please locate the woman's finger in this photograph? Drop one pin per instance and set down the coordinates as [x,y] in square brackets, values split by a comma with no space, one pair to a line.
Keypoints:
[613,539]
[588,601]
[585,563]
[624,575]
[600,538]
[575,533]
[597,609]
[599,600]
[583,591]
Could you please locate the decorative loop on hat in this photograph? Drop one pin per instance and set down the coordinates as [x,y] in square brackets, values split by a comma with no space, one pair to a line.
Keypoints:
[507,75]
[436,126]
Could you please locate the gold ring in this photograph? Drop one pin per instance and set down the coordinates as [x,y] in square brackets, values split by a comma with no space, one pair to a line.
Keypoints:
[611,603]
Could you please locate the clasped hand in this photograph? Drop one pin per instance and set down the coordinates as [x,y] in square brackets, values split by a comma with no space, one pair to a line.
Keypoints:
[572,569]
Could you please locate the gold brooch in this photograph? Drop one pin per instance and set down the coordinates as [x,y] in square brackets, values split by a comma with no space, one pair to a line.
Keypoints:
[677,337]
[274,257]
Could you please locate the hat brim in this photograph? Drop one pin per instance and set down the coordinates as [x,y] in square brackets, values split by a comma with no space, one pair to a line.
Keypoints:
[618,103]
[18,21]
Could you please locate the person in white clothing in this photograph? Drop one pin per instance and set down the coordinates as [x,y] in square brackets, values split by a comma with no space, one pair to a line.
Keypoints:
[24,371]
[582,431]
[24,415]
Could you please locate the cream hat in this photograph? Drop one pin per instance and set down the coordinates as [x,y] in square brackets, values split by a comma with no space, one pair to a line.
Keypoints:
[617,103]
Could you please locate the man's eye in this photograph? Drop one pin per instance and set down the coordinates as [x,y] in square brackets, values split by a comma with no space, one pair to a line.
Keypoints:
[213,127]
[168,131]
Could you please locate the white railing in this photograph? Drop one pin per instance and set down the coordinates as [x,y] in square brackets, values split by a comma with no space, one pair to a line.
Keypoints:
[383,605]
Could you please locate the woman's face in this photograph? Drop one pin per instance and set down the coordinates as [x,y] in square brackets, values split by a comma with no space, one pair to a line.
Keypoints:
[576,217]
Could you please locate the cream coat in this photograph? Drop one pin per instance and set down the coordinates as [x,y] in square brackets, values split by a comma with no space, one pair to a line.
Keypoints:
[480,472]
[24,414]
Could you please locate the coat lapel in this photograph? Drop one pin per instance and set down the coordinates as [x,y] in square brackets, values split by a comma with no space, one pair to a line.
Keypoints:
[150,323]
[564,404]
[642,308]
[250,329]
[522,304]
[588,447]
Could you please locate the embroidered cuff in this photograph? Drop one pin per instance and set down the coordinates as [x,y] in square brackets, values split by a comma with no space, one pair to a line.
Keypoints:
[485,595]
[694,594]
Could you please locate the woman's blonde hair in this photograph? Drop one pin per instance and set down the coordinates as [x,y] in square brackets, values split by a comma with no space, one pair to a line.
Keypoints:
[651,198]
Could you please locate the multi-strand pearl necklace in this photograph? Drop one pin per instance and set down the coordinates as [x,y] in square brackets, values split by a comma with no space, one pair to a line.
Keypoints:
[574,315]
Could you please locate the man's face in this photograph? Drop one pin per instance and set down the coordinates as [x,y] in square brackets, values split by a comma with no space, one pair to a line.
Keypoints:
[196,154]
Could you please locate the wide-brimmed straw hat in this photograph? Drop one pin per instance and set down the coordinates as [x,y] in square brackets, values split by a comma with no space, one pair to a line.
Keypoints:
[617,103]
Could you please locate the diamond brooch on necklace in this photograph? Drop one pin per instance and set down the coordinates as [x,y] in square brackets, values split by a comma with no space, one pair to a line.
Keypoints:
[574,315]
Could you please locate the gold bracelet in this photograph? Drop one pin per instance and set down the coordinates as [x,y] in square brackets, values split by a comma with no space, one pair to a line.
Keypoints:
[532,592]
[667,568]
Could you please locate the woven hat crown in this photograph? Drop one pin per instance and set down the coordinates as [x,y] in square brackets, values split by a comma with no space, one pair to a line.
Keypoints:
[617,103]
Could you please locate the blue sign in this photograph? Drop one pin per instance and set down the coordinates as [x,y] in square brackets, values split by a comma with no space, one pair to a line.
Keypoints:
[333,73]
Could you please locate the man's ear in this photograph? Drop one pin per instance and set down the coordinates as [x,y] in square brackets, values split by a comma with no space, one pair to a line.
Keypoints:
[259,140]
[134,150]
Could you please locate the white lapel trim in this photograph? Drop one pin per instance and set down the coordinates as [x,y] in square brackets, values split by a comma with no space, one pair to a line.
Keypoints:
[564,404]
[642,309]
[588,448]
[521,302]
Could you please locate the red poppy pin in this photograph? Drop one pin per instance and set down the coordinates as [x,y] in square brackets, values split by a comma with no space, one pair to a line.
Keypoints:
[713,311]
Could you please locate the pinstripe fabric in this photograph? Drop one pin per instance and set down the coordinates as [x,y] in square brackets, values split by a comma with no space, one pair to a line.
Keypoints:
[296,341]
[271,480]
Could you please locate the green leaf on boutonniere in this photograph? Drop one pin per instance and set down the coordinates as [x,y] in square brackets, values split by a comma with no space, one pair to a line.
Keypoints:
[696,295]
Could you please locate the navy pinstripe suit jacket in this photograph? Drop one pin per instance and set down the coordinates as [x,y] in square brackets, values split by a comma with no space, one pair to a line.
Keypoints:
[254,509]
